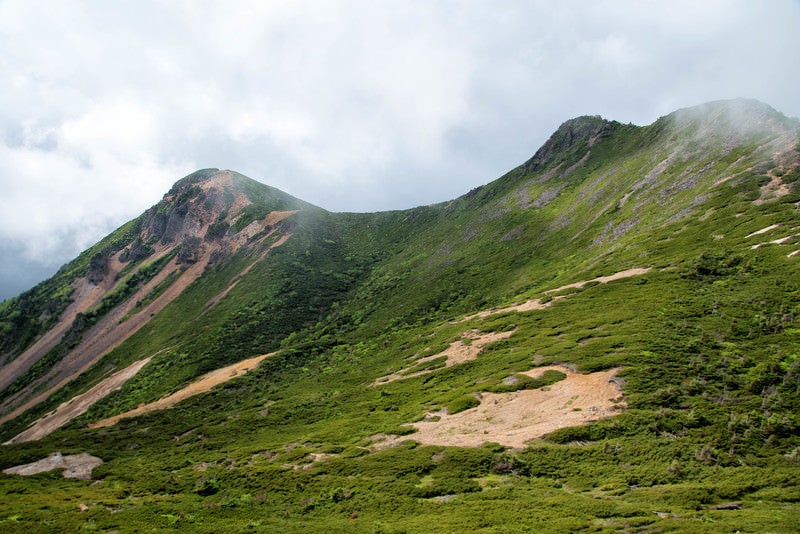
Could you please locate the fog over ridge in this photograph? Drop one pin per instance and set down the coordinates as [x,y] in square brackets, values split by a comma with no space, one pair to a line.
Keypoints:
[351,106]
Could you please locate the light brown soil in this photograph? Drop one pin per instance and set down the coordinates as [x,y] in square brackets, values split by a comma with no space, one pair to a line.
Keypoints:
[75,466]
[281,241]
[773,190]
[781,240]
[789,239]
[310,461]
[528,305]
[762,231]
[201,385]
[512,419]
[458,352]
[257,227]
[216,299]
[78,405]
[537,304]
[636,271]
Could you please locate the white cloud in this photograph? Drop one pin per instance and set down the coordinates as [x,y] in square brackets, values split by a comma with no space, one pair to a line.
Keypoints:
[353,105]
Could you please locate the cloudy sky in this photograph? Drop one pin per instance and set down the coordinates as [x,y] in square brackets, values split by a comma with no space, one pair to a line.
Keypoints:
[351,105]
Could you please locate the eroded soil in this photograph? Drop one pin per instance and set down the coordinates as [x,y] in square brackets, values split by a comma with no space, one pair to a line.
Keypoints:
[538,304]
[465,349]
[75,466]
[201,385]
[78,405]
[512,419]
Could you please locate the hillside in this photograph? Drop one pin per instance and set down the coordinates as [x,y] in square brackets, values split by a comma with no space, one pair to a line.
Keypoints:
[607,331]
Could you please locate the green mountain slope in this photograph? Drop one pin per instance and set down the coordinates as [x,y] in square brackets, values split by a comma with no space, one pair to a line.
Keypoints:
[383,369]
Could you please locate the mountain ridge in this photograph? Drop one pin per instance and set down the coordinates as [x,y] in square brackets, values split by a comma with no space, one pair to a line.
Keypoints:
[698,210]
[194,214]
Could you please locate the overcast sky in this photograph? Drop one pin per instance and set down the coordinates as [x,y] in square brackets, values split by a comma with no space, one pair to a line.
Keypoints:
[353,106]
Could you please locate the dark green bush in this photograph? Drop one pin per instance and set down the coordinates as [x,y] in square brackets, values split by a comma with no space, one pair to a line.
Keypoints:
[519,382]
[462,403]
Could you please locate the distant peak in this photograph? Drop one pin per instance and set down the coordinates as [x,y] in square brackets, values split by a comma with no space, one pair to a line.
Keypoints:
[739,115]
[584,129]
[194,178]
[734,105]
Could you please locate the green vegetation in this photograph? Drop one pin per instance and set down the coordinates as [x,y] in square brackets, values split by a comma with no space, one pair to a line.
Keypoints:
[707,343]
[519,382]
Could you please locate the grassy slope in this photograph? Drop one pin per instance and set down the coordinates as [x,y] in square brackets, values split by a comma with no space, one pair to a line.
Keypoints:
[708,342]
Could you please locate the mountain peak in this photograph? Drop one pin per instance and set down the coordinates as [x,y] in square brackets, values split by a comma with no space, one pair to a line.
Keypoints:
[584,129]
[742,116]
[197,177]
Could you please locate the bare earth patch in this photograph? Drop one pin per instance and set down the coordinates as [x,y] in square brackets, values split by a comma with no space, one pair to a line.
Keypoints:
[460,351]
[528,305]
[773,190]
[512,419]
[75,466]
[789,239]
[763,230]
[201,385]
[636,271]
[537,304]
[78,405]
[309,461]
[215,300]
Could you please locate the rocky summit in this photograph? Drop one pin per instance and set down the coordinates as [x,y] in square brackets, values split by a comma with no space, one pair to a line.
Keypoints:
[603,339]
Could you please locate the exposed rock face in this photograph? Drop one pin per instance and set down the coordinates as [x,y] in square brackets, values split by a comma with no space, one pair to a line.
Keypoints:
[190,252]
[137,251]
[98,268]
[585,129]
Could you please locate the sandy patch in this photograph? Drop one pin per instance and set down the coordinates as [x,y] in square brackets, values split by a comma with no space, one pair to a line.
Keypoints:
[537,304]
[78,405]
[773,190]
[202,385]
[762,231]
[267,224]
[75,466]
[309,461]
[625,198]
[528,305]
[512,419]
[281,241]
[636,271]
[465,349]
[779,241]
[216,300]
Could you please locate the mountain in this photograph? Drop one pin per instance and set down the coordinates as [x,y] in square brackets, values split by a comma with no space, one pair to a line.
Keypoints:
[607,331]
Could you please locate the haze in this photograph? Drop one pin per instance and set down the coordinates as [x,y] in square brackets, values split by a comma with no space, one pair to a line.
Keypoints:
[353,106]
